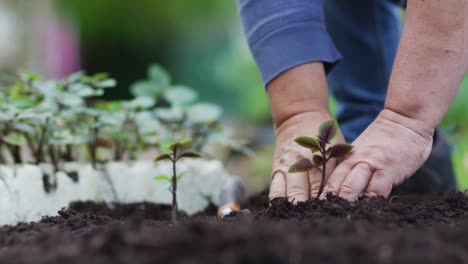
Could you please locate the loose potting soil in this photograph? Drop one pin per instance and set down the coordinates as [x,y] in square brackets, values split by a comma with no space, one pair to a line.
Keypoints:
[403,229]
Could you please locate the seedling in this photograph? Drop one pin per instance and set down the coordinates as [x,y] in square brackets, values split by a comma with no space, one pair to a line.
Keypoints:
[174,152]
[327,132]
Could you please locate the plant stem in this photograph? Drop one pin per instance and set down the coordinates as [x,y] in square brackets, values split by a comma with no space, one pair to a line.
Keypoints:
[30,145]
[324,173]
[68,155]
[93,144]
[38,153]
[175,207]
[15,152]
[2,158]
[117,151]
[51,180]
[53,158]
[138,141]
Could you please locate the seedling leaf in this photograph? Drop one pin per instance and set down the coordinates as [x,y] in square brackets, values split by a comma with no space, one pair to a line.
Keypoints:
[144,89]
[159,76]
[190,155]
[339,150]
[308,142]
[184,141]
[160,157]
[177,145]
[14,138]
[107,83]
[181,175]
[180,95]
[163,178]
[301,166]
[318,160]
[204,113]
[327,132]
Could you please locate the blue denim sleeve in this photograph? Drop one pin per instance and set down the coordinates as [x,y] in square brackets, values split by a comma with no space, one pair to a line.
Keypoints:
[285,33]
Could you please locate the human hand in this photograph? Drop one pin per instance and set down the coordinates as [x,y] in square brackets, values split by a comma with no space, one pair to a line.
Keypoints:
[390,150]
[297,186]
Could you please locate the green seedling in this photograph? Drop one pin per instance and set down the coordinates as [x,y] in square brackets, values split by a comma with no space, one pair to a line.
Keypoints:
[319,145]
[174,152]
[67,120]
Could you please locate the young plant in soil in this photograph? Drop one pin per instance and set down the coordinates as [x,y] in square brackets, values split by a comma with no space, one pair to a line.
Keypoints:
[174,152]
[320,145]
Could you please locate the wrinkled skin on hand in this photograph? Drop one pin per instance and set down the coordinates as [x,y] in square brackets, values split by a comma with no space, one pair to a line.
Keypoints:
[390,150]
[297,186]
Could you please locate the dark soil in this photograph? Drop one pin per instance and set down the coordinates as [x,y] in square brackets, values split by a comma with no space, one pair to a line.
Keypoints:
[403,230]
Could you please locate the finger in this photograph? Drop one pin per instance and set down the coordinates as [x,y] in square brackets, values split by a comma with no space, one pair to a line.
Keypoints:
[315,177]
[336,178]
[278,185]
[379,185]
[297,187]
[355,182]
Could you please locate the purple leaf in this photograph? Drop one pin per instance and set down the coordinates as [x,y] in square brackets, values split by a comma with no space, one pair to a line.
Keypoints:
[339,150]
[191,155]
[327,132]
[318,160]
[162,157]
[308,142]
[301,166]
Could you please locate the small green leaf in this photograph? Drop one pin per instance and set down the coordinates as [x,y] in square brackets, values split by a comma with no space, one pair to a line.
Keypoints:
[339,150]
[160,157]
[327,132]
[163,178]
[204,113]
[145,89]
[107,83]
[190,155]
[181,175]
[318,160]
[159,75]
[180,95]
[142,103]
[14,138]
[177,145]
[75,77]
[301,166]
[308,142]
[71,100]
[184,141]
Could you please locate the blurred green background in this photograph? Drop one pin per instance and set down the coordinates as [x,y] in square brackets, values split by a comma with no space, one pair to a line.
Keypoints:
[199,42]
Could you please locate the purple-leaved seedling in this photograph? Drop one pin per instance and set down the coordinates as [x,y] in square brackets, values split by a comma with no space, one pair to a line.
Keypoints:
[174,152]
[319,145]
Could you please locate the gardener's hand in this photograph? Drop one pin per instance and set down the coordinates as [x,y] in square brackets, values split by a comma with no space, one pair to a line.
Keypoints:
[299,105]
[297,186]
[390,150]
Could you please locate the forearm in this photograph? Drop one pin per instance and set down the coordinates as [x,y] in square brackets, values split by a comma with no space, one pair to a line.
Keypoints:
[302,89]
[431,60]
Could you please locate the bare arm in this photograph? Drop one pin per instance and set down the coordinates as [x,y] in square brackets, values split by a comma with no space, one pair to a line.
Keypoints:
[431,60]
[293,51]
[428,70]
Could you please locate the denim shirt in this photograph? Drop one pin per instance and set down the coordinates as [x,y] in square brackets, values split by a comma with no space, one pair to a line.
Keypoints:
[282,34]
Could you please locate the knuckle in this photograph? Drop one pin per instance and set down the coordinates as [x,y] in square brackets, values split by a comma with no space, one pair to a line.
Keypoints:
[379,186]
[297,191]
[371,194]
[347,189]
[314,187]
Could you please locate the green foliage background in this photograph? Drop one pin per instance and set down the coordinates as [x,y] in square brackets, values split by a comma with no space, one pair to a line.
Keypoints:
[201,44]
